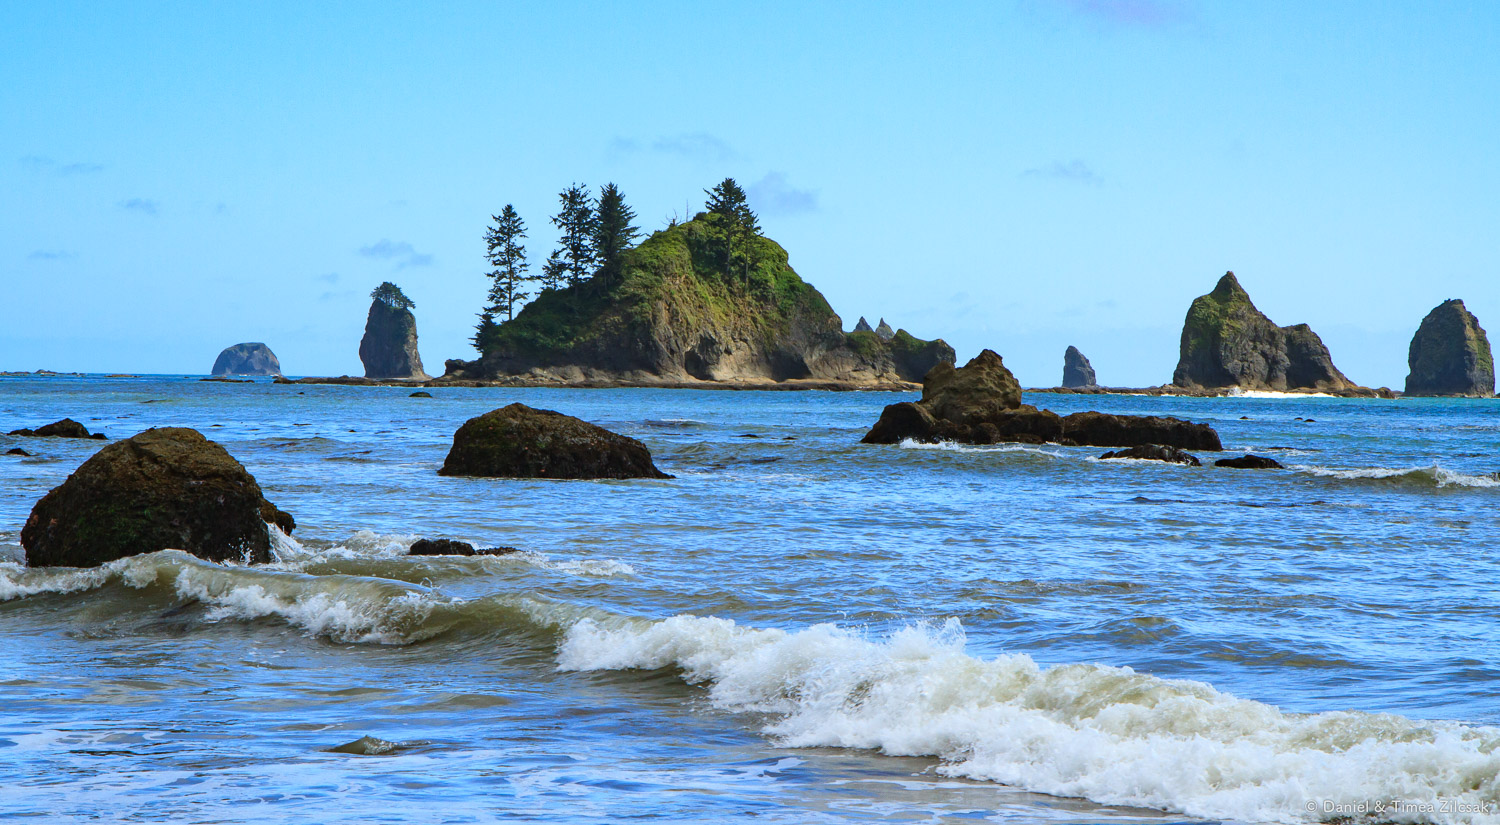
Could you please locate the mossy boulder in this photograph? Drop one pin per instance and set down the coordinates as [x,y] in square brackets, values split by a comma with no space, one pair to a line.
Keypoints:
[674,311]
[167,487]
[1227,342]
[1450,355]
[520,442]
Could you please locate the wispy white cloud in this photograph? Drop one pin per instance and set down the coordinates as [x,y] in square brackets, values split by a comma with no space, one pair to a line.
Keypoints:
[773,195]
[401,253]
[141,205]
[691,146]
[1075,170]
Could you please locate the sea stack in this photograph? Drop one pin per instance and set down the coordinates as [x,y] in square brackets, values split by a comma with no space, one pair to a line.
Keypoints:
[1077,372]
[884,331]
[1227,342]
[247,359]
[1450,355]
[389,348]
[863,325]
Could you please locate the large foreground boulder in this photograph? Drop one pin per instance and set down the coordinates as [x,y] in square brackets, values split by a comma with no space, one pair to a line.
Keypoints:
[520,442]
[980,403]
[66,428]
[1450,354]
[247,359]
[1227,342]
[165,488]
[1078,373]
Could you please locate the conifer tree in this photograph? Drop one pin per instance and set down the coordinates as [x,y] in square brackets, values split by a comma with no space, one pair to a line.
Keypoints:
[554,272]
[508,279]
[576,256]
[392,296]
[737,220]
[614,232]
[484,331]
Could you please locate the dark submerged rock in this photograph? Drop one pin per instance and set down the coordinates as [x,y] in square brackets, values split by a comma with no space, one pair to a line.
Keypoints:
[389,346]
[1156,452]
[66,428]
[1227,342]
[981,404]
[17,451]
[1250,462]
[247,359]
[420,394]
[450,547]
[1450,355]
[1077,372]
[520,442]
[165,488]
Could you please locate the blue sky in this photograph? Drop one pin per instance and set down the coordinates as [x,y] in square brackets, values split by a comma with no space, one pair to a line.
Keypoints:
[1024,175]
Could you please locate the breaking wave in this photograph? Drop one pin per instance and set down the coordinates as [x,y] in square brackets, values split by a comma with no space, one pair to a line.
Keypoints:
[1433,476]
[1108,734]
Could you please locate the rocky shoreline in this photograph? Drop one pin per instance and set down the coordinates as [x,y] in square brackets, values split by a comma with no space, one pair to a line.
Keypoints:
[1215,392]
[520,382]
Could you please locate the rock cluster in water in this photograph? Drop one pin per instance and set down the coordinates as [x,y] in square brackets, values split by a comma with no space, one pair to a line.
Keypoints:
[452,547]
[1227,342]
[1078,373]
[980,403]
[66,428]
[520,442]
[389,346]
[247,359]
[1450,354]
[164,488]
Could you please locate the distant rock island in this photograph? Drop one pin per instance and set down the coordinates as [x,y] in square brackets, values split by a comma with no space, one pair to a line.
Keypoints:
[673,314]
[389,346]
[1227,342]
[1077,372]
[247,359]
[1450,354]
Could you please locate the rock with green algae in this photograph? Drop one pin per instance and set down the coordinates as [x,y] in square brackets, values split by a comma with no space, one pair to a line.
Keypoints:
[1450,355]
[1227,342]
[165,488]
[673,312]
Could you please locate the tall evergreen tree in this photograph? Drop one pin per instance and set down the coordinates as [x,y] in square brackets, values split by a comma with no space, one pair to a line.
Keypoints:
[391,295]
[484,331]
[554,272]
[737,220]
[508,279]
[577,259]
[614,233]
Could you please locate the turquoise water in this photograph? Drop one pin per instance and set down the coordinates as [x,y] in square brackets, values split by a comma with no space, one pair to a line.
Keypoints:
[797,628]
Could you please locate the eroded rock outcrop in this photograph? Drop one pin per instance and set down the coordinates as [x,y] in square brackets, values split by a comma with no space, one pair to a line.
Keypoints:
[1227,342]
[520,442]
[1078,373]
[673,313]
[884,332]
[389,346]
[66,428]
[247,359]
[980,403]
[165,488]
[1450,355]
[863,325]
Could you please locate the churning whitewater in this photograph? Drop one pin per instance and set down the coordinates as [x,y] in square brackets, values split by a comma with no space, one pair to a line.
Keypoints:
[799,628]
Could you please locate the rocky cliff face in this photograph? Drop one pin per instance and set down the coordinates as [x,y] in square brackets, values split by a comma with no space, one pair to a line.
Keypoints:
[247,359]
[1450,354]
[673,314]
[1227,342]
[1077,372]
[389,348]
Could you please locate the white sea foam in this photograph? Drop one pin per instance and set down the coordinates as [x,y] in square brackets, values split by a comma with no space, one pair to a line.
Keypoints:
[1236,392]
[1433,475]
[1104,733]
[954,447]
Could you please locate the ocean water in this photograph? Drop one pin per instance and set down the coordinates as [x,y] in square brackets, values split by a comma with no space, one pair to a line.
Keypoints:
[796,629]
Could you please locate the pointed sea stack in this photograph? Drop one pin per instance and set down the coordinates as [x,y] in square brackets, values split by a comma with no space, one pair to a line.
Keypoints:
[1077,372]
[389,348]
[863,325]
[1450,355]
[1227,342]
[884,331]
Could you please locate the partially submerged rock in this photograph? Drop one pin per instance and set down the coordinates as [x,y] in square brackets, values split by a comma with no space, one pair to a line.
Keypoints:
[165,488]
[1155,452]
[247,359]
[980,403]
[1077,372]
[17,451]
[66,428]
[1250,462]
[1450,355]
[420,394]
[520,442]
[1227,342]
[450,547]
